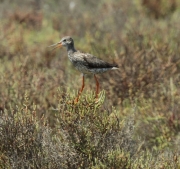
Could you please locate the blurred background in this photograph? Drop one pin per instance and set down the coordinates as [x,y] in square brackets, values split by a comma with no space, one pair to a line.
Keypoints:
[141,36]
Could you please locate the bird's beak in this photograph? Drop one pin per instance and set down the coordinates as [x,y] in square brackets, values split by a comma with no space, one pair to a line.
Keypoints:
[56,45]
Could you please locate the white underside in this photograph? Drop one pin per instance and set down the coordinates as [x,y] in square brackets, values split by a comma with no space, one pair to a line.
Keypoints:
[114,68]
[95,71]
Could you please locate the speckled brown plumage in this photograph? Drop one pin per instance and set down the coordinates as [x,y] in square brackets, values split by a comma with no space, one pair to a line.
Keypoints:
[84,62]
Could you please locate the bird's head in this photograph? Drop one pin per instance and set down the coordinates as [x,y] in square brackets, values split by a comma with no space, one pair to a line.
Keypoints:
[65,41]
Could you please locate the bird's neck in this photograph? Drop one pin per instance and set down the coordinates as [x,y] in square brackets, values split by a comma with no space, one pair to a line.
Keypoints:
[70,48]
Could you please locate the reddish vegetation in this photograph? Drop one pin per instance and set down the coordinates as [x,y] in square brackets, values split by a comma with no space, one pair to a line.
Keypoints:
[31,19]
[159,8]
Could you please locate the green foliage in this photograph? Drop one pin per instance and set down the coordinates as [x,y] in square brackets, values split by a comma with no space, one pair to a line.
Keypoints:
[21,138]
[91,130]
[135,123]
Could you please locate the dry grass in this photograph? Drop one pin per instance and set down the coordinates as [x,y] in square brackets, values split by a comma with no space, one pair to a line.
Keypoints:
[136,123]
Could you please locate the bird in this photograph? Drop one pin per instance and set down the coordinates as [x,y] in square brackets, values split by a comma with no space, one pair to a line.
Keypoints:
[84,62]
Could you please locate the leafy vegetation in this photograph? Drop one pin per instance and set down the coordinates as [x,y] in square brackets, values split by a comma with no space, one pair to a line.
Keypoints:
[135,123]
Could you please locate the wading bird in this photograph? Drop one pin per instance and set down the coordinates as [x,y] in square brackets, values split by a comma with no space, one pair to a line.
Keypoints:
[84,62]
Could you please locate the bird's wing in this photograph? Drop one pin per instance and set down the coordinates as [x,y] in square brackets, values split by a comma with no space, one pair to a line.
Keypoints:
[93,62]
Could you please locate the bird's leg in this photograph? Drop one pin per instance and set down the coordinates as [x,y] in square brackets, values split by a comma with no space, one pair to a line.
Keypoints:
[80,91]
[82,87]
[97,86]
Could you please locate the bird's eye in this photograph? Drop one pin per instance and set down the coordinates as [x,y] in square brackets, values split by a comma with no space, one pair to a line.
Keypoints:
[64,40]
